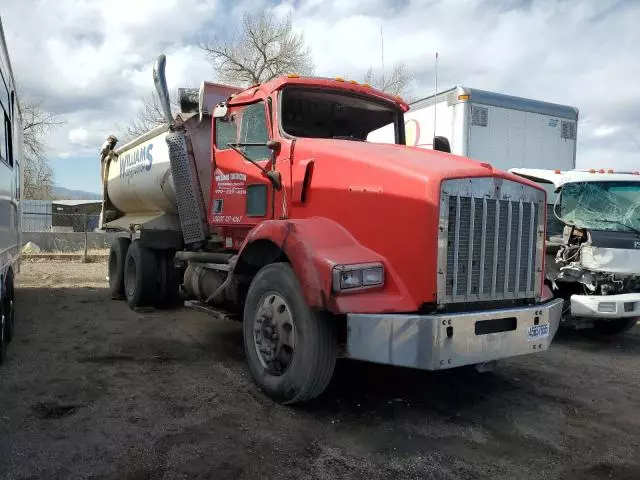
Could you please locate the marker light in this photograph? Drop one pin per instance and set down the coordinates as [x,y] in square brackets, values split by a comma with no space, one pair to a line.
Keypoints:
[463,97]
[357,277]
[353,82]
[557,170]
[601,170]
[339,79]
[366,85]
[592,170]
[610,170]
[293,75]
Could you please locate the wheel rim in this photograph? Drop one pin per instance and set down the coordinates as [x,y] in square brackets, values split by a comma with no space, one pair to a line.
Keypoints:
[274,334]
[130,277]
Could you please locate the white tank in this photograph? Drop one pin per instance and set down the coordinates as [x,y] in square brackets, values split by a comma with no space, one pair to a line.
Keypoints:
[139,179]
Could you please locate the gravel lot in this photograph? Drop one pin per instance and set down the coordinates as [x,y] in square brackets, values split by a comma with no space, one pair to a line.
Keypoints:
[94,390]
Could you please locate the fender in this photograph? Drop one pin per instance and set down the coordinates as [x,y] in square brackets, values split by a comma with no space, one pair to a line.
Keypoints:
[314,246]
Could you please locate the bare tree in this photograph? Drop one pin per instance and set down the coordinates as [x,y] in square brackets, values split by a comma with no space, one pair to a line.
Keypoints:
[36,125]
[265,47]
[397,82]
[149,116]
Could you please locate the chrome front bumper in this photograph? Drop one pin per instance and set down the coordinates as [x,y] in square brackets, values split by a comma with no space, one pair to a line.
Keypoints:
[436,342]
[625,305]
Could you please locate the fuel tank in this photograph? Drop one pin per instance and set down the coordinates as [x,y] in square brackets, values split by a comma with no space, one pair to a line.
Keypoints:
[139,179]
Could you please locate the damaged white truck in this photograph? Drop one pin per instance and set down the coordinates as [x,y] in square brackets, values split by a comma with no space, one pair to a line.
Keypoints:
[593,245]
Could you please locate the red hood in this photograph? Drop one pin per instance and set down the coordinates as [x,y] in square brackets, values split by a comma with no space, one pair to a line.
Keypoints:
[408,161]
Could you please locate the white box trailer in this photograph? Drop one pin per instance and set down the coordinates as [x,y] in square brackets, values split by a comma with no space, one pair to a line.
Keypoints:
[506,131]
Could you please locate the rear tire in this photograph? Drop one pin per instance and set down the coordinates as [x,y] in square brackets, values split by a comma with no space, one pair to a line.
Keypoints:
[291,350]
[168,280]
[140,280]
[613,327]
[117,257]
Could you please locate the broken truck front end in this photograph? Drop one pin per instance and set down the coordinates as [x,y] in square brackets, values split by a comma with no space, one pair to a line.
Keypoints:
[593,261]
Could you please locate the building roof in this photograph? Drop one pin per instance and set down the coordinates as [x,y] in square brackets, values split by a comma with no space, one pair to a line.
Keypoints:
[73,203]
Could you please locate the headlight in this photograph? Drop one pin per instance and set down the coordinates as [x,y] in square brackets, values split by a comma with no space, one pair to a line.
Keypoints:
[357,277]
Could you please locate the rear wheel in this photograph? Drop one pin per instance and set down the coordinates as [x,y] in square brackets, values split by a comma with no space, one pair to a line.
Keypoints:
[291,350]
[140,281]
[117,257]
[168,280]
[613,327]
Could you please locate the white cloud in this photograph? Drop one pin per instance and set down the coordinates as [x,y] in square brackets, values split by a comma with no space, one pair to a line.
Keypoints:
[91,60]
[78,135]
[606,130]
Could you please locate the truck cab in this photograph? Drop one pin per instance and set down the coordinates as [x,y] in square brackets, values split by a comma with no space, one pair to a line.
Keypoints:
[593,249]
[325,244]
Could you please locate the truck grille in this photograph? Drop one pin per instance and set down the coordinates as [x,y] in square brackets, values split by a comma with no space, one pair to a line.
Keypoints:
[490,240]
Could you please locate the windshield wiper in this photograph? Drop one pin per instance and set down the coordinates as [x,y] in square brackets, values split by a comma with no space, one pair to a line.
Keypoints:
[618,222]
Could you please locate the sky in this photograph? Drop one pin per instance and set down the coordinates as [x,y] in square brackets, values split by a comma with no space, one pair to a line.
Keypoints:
[90,61]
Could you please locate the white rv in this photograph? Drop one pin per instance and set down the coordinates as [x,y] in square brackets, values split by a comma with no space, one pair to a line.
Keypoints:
[10,194]
[506,131]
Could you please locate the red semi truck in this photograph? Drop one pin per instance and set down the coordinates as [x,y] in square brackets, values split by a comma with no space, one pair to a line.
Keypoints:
[269,202]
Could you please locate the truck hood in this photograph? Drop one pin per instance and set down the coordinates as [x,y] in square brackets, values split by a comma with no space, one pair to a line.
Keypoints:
[427,165]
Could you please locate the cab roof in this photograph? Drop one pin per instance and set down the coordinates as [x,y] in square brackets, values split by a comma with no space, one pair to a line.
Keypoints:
[337,83]
[558,177]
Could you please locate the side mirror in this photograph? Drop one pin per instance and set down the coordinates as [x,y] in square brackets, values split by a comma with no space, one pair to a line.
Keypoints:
[274,145]
[441,144]
[220,110]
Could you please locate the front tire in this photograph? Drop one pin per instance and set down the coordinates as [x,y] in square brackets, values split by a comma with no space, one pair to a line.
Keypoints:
[291,350]
[140,280]
[613,327]
[117,257]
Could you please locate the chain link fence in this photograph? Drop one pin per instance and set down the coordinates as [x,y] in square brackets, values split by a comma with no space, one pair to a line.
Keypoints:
[46,230]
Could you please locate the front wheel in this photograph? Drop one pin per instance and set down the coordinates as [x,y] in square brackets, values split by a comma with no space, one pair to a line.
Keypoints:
[291,350]
[613,327]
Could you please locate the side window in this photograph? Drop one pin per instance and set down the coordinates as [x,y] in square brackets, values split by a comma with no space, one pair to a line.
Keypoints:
[253,129]
[5,137]
[5,124]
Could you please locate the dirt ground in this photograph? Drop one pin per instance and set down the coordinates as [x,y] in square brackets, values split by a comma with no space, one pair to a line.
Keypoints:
[94,390]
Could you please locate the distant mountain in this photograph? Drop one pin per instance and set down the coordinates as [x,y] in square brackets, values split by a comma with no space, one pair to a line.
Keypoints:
[61,192]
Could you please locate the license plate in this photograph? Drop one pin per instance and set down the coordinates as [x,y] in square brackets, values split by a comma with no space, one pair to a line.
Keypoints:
[536,332]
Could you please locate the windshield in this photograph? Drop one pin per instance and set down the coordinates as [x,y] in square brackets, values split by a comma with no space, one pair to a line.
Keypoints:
[316,113]
[601,205]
